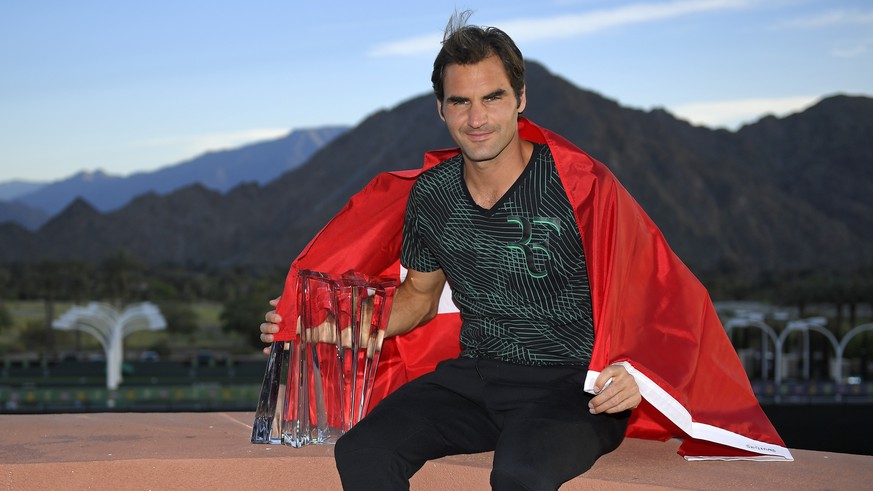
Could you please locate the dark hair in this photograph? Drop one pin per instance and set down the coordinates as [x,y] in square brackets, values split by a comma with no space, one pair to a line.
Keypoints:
[467,45]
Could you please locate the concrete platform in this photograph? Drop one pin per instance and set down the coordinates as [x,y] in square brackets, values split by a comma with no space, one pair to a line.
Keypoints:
[141,451]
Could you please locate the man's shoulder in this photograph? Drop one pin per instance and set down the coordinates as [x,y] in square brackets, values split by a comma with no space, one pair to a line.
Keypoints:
[437,174]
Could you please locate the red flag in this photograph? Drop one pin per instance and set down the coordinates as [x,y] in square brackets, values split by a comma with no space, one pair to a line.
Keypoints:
[650,313]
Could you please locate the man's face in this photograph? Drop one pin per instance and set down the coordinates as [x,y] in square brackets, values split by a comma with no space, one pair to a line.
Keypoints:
[480,109]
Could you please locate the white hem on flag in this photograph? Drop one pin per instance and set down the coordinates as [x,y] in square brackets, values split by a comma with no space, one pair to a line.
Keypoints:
[675,412]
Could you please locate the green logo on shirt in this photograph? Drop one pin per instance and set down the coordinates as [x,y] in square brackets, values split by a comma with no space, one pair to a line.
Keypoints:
[528,247]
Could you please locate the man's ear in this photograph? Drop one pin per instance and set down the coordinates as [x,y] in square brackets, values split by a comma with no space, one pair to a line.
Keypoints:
[522,99]
[440,110]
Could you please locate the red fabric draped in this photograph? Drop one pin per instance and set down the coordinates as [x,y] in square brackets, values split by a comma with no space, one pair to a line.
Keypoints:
[649,309]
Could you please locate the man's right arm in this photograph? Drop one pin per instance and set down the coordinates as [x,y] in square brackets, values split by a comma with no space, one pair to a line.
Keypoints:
[416,301]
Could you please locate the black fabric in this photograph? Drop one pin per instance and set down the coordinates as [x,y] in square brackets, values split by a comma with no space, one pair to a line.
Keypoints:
[536,420]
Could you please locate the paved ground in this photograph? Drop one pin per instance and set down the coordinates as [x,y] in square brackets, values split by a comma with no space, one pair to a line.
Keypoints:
[139,451]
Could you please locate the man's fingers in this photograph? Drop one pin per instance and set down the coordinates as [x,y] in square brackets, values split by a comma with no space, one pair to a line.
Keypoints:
[272,317]
[269,328]
[609,405]
[618,404]
[619,392]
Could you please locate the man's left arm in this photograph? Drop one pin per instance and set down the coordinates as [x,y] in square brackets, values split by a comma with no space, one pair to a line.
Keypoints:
[616,391]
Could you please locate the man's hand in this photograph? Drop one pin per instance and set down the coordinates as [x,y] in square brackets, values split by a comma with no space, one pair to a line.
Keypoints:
[270,325]
[616,391]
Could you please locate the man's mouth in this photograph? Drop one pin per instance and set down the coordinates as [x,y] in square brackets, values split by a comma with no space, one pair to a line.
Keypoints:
[479,136]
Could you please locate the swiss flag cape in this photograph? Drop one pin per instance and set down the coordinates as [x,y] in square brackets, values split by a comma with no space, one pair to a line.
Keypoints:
[650,313]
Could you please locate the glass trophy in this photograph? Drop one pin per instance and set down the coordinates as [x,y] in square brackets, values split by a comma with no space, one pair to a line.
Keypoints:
[330,367]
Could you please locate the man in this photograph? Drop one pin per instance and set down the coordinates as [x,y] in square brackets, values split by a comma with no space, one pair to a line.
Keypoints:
[527,337]
[495,222]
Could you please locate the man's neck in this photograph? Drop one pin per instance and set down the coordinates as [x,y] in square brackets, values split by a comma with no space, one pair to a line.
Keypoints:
[489,181]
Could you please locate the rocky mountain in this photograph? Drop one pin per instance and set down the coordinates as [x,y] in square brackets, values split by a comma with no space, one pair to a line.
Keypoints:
[221,170]
[782,194]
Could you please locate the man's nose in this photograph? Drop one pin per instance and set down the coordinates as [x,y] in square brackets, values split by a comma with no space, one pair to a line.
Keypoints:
[478,115]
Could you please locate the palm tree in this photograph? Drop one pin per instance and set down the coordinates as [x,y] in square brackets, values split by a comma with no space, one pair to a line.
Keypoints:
[48,281]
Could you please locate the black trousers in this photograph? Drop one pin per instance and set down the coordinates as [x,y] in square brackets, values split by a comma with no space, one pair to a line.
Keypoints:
[535,419]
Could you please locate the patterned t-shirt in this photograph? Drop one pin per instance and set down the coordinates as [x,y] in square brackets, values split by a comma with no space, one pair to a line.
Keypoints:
[517,270]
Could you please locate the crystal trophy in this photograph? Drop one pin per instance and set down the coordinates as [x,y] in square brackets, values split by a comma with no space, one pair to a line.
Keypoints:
[330,367]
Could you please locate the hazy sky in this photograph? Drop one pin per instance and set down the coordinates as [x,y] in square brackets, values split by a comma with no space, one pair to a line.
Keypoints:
[128,86]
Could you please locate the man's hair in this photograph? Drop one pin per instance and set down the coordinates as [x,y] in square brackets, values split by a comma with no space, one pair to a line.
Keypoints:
[467,45]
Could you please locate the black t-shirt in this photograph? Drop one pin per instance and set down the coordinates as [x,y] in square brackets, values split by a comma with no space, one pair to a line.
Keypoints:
[517,271]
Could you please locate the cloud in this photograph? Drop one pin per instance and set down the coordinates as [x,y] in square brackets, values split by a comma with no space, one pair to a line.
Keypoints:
[567,26]
[408,47]
[830,19]
[853,51]
[837,19]
[734,113]
[191,145]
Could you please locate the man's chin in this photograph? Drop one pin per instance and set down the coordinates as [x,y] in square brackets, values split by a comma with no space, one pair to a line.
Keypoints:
[479,160]
[475,155]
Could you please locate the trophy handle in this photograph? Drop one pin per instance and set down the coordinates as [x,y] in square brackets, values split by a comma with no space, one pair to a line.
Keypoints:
[264,428]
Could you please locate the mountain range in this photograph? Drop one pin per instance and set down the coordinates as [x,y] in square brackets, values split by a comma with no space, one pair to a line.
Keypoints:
[10,190]
[261,162]
[781,194]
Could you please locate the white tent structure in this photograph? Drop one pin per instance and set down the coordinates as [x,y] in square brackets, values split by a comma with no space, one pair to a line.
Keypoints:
[110,326]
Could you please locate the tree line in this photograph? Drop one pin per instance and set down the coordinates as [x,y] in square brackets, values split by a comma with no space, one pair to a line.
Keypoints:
[123,279]
[243,292]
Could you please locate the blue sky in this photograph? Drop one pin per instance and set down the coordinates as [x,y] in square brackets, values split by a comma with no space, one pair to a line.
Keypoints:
[129,86]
